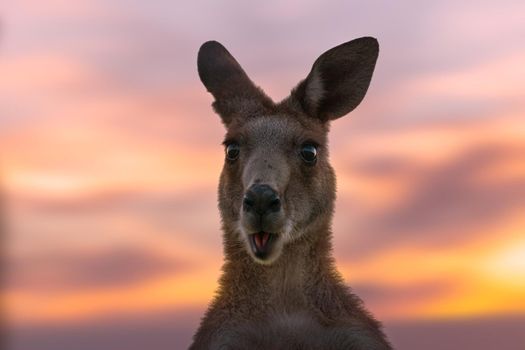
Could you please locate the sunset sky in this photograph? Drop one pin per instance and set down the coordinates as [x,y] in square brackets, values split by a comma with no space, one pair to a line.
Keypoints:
[110,155]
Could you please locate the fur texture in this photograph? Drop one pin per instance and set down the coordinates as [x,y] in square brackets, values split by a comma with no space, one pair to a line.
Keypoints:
[294,298]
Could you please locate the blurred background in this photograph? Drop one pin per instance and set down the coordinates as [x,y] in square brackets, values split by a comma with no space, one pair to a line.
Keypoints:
[110,156]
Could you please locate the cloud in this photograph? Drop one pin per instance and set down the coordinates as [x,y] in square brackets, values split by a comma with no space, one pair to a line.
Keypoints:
[477,333]
[79,270]
[171,329]
[443,205]
[388,300]
[186,220]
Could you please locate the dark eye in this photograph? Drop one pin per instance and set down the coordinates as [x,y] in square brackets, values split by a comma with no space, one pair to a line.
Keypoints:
[232,151]
[309,153]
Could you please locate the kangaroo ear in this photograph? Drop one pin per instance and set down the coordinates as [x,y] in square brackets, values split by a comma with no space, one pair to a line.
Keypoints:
[338,80]
[225,79]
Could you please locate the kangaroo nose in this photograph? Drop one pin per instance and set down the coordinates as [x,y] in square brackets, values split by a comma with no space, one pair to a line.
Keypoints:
[261,199]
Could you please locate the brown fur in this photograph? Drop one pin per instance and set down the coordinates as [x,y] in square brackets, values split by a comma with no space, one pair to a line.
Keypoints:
[294,299]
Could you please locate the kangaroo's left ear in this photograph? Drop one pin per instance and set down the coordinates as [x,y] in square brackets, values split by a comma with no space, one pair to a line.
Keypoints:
[338,80]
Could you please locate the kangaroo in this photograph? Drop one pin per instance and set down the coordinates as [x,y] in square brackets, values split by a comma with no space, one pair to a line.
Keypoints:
[280,288]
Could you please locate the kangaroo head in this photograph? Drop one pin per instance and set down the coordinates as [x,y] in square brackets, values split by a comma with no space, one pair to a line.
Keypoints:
[277,185]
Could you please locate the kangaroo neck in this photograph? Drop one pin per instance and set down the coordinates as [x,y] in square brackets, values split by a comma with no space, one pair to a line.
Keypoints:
[284,283]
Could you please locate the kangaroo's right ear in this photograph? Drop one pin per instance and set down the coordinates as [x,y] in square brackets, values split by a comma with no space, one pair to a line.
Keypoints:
[225,79]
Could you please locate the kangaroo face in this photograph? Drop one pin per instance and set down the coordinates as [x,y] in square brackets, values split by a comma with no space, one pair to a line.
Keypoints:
[276,181]
[277,185]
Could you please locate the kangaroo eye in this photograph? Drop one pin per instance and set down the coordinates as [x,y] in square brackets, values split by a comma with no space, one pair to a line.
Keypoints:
[309,153]
[232,151]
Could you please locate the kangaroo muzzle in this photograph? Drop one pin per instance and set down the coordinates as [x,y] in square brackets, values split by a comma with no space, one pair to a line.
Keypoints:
[262,218]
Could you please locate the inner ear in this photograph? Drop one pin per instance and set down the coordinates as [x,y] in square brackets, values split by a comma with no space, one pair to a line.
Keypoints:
[338,80]
[225,79]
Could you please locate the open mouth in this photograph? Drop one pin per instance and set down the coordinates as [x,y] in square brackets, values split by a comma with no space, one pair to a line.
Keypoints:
[261,243]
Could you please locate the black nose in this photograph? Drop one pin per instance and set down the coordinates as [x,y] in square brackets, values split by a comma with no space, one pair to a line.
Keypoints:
[261,199]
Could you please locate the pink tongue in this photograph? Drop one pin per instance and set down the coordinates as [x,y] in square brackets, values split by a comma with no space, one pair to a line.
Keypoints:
[265,237]
[261,239]
[258,241]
